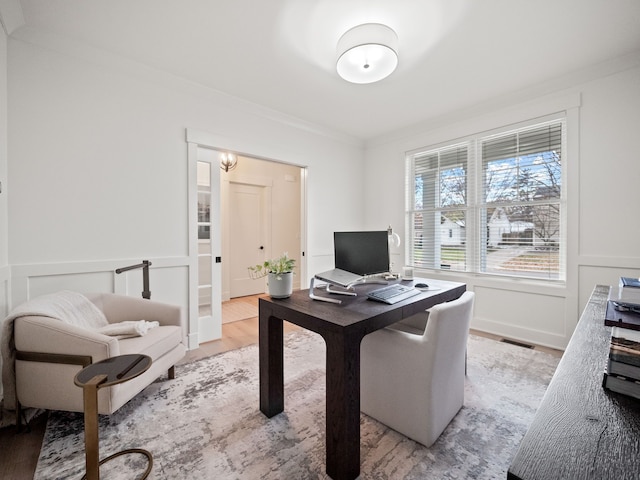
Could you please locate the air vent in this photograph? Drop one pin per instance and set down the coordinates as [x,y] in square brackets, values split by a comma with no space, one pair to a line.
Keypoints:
[517,344]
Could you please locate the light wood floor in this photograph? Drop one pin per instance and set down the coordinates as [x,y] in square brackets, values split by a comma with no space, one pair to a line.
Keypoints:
[19,450]
[234,335]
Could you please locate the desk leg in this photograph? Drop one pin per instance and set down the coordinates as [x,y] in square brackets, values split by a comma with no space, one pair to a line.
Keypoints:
[271,363]
[92,455]
[343,407]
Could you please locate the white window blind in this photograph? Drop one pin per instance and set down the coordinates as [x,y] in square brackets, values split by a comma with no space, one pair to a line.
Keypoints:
[437,195]
[511,224]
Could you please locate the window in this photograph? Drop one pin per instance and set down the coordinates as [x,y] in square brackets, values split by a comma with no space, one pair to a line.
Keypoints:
[491,204]
[439,204]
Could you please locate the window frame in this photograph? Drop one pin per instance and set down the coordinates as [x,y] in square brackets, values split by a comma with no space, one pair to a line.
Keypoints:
[475,250]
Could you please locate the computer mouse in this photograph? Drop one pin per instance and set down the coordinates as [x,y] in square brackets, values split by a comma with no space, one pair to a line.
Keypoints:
[421,285]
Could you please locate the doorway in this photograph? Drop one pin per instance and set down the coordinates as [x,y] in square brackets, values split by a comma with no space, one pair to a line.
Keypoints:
[254,184]
[262,217]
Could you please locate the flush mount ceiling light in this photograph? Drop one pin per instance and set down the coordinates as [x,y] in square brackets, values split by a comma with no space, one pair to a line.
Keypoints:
[367,53]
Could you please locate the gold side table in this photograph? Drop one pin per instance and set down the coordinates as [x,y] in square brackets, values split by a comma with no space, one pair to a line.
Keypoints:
[94,377]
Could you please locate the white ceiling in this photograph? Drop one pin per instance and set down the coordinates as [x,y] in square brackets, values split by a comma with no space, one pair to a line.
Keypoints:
[454,54]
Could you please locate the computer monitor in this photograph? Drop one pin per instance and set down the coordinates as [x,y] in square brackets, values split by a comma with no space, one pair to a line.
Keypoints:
[364,253]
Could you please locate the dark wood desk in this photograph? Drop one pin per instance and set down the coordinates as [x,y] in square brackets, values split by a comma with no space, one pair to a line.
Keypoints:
[342,327]
[582,431]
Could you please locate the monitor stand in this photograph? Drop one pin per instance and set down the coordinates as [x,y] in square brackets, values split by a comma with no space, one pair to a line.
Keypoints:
[347,291]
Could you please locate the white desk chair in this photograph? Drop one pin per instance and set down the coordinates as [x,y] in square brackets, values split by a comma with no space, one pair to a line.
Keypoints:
[412,377]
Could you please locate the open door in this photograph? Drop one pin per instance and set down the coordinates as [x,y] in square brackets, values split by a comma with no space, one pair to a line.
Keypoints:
[205,177]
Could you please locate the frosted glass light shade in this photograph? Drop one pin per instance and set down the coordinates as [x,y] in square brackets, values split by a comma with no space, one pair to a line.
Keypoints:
[367,53]
[228,161]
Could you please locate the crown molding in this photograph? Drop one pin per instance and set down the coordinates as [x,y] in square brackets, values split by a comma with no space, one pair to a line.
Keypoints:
[11,15]
[556,87]
[87,53]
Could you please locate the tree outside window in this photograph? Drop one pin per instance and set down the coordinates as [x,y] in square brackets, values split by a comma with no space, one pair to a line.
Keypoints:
[518,205]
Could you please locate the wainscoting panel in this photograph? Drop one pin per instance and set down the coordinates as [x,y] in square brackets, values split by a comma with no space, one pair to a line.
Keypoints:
[168,282]
[520,315]
[84,282]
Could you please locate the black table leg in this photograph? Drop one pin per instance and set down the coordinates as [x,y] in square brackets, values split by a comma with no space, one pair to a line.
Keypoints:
[271,363]
[343,406]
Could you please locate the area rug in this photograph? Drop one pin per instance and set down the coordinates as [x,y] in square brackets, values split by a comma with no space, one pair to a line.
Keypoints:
[206,424]
[238,310]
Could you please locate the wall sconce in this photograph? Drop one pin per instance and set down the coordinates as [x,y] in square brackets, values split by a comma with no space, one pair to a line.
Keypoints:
[228,161]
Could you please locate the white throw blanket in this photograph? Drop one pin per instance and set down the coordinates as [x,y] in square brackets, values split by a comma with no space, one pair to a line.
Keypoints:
[69,307]
[130,328]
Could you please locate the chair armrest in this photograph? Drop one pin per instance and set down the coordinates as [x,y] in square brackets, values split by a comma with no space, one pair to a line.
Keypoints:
[121,308]
[48,335]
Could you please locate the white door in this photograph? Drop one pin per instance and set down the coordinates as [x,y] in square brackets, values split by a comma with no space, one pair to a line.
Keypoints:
[247,216]
[209,271]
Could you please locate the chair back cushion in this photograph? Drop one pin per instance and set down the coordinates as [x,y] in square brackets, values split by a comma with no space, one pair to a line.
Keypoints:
[447,332]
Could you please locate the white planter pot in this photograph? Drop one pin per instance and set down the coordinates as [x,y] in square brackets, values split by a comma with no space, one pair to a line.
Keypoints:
[280,286]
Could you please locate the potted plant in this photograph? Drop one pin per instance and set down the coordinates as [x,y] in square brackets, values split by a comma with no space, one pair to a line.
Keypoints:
[279,273]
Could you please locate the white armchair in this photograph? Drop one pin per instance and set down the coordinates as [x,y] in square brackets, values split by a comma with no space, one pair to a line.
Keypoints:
[412,373]
[42,353]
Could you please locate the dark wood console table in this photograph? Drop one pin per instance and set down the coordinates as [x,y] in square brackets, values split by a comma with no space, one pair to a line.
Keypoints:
[582,431]
[342,327]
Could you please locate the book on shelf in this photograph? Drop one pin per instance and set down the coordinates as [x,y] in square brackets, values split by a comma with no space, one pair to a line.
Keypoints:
[628,292]
[630,282]
[627,296]
[625,346]
[626,337]
[623,365]
[623,385]
[623,369]
[621,317]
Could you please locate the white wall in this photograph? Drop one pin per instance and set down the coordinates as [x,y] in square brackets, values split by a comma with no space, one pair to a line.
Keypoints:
[4,235]
[604,178]
[98,168]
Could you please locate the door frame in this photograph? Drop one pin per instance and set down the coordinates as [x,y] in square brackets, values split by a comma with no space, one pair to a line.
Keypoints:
[200,139]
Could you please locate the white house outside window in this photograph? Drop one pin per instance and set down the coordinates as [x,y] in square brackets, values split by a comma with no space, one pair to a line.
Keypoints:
[491,204]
